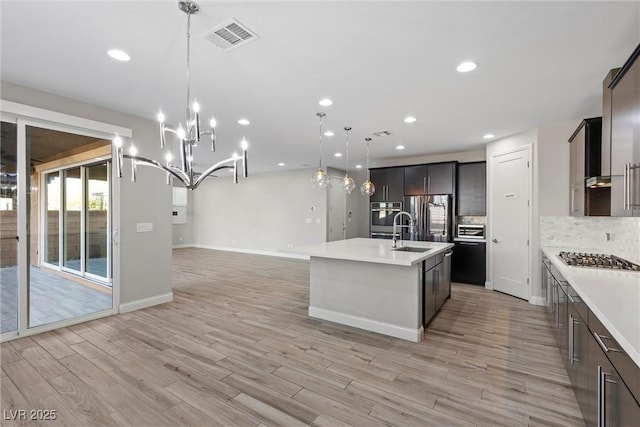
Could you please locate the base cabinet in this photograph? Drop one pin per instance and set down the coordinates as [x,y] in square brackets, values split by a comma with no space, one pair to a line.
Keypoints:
[610,401]
[437,284]
[606,381]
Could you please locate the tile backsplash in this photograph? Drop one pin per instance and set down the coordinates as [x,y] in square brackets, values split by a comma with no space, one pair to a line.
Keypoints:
[590,234]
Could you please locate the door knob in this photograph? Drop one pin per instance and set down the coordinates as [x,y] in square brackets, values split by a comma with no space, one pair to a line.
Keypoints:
[495,240]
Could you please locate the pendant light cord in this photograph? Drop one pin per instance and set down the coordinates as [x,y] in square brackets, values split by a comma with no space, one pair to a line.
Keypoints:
[320,115]
[188,66]
[346,172]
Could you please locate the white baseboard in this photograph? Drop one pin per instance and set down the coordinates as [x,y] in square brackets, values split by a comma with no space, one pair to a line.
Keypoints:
[183,246]
[414,335]
[145,302]
[488,285]
[252,251]
[537,301]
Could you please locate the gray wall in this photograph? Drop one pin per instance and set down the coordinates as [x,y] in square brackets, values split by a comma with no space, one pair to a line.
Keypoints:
[145,258]
[264,212]
[268,212]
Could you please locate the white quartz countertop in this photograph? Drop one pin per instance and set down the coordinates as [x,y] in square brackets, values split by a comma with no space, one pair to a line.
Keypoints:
[613,296]
[373,250]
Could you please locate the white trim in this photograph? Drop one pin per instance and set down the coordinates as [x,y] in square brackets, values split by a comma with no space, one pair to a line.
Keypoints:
[182,246]
[55,118]
[145,302]
[248,251]
[413,335]
[488,285]
[537,301]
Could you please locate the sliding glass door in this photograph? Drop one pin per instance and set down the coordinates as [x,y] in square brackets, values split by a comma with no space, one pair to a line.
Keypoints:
[56,220]
[98,224]
[8,229]
[82,232]
[72,219]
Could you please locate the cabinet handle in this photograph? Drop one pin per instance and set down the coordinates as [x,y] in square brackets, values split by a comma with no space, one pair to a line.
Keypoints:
[571,339]
[429,184]
[603,346]
[601,391]
[424,184]
[631,185]
[468,243]
[625,187]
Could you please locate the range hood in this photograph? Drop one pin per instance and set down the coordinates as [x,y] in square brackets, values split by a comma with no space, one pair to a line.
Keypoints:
[598,182]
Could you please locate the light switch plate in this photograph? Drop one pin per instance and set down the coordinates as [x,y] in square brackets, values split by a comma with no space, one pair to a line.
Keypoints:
[144,227]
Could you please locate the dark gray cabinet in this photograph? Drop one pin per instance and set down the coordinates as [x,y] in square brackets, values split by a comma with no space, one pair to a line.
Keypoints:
[609,397]
[468,264]
[605,379]
[625,139]
[585,162]
[437,284]
[389,183]
[472,189]
[434,178]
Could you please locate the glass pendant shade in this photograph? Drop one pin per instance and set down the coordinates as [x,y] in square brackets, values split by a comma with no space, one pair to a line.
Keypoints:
[367,188]
[320,179]
[348,184]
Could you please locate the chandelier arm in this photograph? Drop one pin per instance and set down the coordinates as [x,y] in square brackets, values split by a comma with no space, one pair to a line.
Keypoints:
[149,162]
[222,164]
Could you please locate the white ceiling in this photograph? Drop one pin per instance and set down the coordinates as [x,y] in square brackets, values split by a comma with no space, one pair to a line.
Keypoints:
[539,62]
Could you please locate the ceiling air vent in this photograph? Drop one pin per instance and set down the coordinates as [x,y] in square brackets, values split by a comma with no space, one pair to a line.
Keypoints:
[382,133]
[230,35]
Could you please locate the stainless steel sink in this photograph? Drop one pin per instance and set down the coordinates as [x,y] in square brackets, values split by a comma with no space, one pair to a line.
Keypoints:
[411,249]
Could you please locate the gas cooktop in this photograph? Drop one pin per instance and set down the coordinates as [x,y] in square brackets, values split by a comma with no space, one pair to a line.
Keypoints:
[579,259]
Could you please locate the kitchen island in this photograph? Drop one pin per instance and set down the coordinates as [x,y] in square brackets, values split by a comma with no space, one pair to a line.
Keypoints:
[366,284]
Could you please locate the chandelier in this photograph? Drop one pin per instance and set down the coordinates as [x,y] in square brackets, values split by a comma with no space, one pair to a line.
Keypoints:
[188,136]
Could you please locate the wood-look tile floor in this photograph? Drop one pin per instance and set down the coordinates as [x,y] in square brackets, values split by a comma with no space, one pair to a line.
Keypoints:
[236,348]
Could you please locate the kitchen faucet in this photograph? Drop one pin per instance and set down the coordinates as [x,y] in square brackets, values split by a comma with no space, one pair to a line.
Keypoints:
[395,224]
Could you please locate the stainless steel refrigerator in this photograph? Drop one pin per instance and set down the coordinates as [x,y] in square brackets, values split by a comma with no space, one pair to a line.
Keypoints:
[432,218]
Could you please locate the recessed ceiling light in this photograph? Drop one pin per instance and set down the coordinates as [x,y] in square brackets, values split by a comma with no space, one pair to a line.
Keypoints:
[338,155]
[328,133]
[244,122]
[409,119]
[465,67]
[280,164]
[358,166]
[399,147]
[325,102]
[489,136]
[118,55]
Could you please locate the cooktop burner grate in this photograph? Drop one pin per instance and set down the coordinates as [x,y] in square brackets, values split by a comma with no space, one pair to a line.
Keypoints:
[579,259]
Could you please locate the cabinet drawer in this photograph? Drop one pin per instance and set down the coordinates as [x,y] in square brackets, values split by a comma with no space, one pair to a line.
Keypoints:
[578,304]
[626,367]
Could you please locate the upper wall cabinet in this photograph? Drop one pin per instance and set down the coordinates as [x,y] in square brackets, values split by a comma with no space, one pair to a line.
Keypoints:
[389,183]
[472,189]
[585,162]
[625,139]
[434,178]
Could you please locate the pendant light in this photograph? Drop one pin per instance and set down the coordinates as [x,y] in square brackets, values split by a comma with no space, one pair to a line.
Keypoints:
[347,182]
[320,178]
[367,188]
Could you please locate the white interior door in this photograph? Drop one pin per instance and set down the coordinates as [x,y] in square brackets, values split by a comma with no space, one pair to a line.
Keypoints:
[510,218]
[337,226]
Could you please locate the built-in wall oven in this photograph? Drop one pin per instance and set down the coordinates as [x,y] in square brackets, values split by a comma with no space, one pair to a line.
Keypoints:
[382,214]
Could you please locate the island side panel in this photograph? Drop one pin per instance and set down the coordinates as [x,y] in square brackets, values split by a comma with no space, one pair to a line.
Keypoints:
[381,298]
